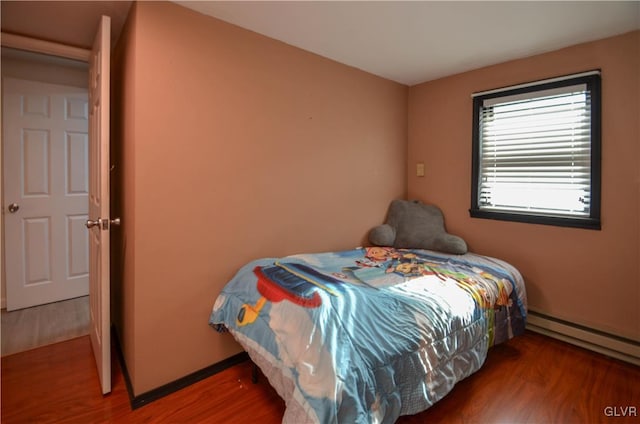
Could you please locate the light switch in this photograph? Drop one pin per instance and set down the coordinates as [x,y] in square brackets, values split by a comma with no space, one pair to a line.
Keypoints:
[420,169]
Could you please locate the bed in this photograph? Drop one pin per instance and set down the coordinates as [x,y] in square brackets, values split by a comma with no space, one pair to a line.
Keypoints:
[369,334]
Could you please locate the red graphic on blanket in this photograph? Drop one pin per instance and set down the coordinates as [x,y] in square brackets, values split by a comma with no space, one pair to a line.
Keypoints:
[277,292]
[297,283]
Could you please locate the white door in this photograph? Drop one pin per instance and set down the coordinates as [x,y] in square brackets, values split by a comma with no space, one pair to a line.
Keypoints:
[45,192]
[99,221]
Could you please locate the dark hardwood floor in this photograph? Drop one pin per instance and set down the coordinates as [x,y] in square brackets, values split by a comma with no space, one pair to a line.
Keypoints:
[531,379]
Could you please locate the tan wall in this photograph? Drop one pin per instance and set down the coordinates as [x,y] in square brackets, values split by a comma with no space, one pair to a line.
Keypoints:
[123,190]
[236,147]
[584,276]
[43,68]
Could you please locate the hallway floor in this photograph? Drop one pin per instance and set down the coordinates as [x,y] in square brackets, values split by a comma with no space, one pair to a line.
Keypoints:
[42,325]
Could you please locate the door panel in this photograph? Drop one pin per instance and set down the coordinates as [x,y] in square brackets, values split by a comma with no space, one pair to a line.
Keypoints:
[36,162]
[37,242]
[45,159]
[99,221]
[77,165]
[78,255]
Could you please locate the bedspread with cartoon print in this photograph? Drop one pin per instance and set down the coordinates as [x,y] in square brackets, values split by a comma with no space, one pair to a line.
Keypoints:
[367,335]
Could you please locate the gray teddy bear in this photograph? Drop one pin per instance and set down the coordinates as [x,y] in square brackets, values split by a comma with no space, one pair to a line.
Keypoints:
[414,225]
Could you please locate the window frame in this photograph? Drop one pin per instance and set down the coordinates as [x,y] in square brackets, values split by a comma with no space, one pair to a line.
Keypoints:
[592,80]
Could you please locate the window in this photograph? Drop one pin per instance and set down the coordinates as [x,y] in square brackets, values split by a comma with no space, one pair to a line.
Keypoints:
[536,152]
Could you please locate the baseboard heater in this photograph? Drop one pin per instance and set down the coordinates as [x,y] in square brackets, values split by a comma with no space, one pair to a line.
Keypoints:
[608,344]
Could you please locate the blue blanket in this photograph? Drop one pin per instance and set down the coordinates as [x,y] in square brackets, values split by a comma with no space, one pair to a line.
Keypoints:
[367,335]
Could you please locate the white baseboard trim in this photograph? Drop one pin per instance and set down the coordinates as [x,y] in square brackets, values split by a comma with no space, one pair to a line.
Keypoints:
[617,347]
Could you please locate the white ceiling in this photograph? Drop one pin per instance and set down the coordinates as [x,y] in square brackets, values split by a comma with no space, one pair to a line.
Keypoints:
[416,41]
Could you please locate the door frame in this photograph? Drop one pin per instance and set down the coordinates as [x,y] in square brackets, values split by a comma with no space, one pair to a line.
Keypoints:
[35,46]
[45,47]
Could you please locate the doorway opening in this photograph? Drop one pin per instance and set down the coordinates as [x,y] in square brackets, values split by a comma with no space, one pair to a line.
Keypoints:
[33,327]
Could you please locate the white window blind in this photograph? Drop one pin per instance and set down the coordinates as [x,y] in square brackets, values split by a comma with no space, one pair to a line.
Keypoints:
[535,152]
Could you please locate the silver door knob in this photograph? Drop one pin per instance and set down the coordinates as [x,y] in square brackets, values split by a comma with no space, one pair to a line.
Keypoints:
[104,224]
[91,224]
[13,208]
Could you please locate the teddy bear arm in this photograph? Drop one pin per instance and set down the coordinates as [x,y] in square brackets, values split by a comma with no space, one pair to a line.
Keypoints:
[449,243]
[382,235]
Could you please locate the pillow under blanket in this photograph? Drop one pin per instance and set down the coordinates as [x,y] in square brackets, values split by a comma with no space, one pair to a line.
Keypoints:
[414,225]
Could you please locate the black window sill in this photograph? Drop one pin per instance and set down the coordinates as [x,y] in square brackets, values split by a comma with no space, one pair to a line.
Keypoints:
[558,221]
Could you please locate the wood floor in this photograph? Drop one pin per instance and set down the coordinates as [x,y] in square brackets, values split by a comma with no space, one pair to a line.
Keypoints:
[531,379]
